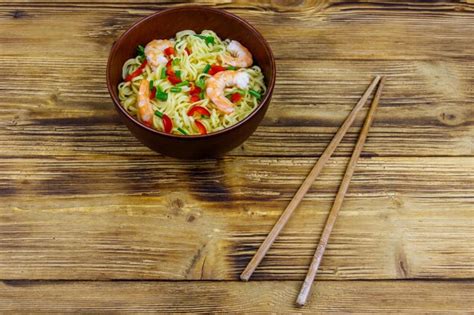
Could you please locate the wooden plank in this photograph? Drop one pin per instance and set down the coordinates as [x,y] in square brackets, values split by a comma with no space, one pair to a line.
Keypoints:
[154,218]
[310,102]
[379,297]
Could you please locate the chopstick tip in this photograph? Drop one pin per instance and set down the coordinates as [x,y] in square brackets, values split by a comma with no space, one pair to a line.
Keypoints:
[244,277]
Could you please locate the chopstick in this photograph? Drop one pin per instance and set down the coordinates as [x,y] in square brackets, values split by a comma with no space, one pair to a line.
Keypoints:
[285,216]
[318,255]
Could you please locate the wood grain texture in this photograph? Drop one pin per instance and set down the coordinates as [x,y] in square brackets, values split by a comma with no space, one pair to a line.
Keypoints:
[362,297]
[158,219]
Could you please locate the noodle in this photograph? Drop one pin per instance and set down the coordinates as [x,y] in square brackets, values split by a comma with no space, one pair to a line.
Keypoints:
[191,68]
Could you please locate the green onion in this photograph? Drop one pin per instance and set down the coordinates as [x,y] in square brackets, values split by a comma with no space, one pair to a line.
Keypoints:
[207,68]
[255,93]
[184,83]
[140,51]
[231,68]
[201,95]
[201,83]
[175,61]
[162,96]
[175,89]
[163,73]
[178,73]
[240,91]
[151,85]
[158,113]
[202,116]
[209,40]
[182,131]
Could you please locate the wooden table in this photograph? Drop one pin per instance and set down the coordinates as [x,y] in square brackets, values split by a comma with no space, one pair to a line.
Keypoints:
[92,221]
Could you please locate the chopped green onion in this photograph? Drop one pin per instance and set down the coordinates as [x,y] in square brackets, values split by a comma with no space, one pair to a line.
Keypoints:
[182,131]
[184,83]
[201,83]
[175,89]
[140,51]
[255,93]
[209,40]
[163,74]
[162,96]
[151,85]
[231,68]
[158,113]
[201,95]
[175,61]
[207,68]
[202,116]
[178,73]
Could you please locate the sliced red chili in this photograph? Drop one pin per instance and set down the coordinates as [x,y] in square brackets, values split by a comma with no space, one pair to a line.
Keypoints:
[194,98]
[169,69]
[136,72]
[187,50]
[235,97]
[148,123]
[153,93]
[167,123]
[169,51]
[216,68]
[201,127]
[173,78]
[198,110]
[194,89]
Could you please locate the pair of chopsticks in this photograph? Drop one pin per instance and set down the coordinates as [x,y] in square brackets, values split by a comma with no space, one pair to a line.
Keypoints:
[284,218]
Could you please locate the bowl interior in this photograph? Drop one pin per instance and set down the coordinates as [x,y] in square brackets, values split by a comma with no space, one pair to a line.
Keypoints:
[167,23]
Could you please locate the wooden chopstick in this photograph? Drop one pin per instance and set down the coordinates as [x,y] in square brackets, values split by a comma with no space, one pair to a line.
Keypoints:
[285,216]
[318,255]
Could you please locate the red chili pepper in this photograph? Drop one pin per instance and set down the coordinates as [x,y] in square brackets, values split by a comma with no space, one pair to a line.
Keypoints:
[194,89]
[201,127]
[173,78]
[194,98]
[235,97]
[153,93]
[187,50]
[167,123]
[216,68]
[148,123]
[136,72]
[169,69]
[200,110]
[169,51]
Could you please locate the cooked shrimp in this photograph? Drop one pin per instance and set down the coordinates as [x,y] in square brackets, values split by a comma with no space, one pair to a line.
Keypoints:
[217,83]
[154,52]
[240,55]
[145,110]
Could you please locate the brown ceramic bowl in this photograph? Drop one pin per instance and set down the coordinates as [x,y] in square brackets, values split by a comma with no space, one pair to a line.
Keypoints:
[165,24]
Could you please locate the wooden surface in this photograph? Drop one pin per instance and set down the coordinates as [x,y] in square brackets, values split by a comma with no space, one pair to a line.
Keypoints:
[82,200]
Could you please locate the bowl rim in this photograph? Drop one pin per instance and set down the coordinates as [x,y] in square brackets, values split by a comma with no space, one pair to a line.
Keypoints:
[266,99]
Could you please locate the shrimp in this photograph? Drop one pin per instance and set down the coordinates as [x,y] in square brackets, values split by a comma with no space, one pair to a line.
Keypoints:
[154,52]
[145,110]
[240,55]
[217,83]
